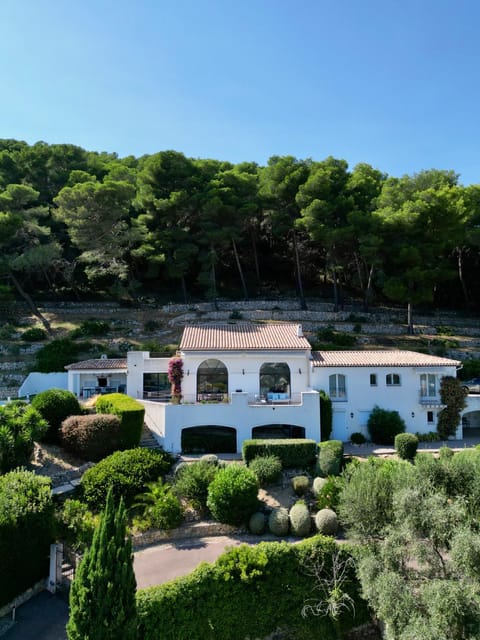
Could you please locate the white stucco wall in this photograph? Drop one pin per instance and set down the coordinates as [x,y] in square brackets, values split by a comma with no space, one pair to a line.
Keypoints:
[37,382]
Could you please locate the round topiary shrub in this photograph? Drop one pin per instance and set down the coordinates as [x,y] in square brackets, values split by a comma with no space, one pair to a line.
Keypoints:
[326,522]
[357,438]
[300,521]
[92,437]
[278,522]
[406,445]
[257,523]
[318,483]
[210,457]
[445,453]
[300,485]
[268,469]
[192,482]
[55,405]
[384,425]
[232,495]
[126,472]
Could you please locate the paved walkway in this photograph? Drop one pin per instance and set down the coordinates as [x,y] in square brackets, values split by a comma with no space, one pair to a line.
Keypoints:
[370,449]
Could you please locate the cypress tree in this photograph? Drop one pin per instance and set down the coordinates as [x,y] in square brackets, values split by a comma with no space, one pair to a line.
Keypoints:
[102,596]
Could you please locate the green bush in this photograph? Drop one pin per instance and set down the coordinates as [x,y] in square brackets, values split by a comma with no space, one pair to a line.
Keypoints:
[294,452]
[318,484]
[278,522]
[126,472]
[20,426]
[300,521]
[250,592]
[55,405]
[55,355]
[26,531]
[384,425]
[160,508]
[329,494]
[35,334]
[268,469]
[430,436]
[338,338]
[406,445]
[75,524]
[130,412]
[326,415]
[91,327]
[300,485]
[257,523]
[326,522]
[212,458]
[357,438]
[192,482]
[232,495]
[92,437]
[445,453]
[330,458]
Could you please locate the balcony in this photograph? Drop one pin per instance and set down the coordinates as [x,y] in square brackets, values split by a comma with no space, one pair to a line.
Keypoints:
[430,401]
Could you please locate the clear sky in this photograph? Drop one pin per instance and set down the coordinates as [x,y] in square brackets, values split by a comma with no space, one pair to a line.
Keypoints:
[394,83]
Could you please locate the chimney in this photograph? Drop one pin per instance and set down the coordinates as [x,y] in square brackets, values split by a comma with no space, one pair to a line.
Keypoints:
[299,331]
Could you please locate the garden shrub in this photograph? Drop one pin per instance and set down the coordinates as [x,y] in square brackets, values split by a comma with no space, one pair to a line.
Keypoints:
[35,334]
[250,592]
[55,355]
[445,453]
[317,485]
[330,458]
[293,452]
[383,425]
[92,437]
[192,482]
[406,445]
[326,415]
[430,436]
[26,531]
[55,405]
[453,397]
[278,522]
[91,327]
[126,472]
[257,523]
[75,524]
[268,469]
[20,426]
[326,522]
[357,438]
[160,508]
[130,412]
[300,521]
[300,485]
[210,457]
[232,494]
[329,494]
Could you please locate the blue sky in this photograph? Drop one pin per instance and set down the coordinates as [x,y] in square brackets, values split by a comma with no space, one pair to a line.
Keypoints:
[394,83]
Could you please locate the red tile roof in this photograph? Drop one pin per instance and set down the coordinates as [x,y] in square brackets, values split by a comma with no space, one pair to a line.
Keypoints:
[373,358]
[243,336]
[99,363]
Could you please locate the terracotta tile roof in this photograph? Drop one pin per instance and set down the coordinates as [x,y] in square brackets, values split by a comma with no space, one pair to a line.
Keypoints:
[99,363]
[243,336]
[373,358]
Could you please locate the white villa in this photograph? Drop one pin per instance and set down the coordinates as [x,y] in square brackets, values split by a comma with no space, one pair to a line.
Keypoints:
[244,380]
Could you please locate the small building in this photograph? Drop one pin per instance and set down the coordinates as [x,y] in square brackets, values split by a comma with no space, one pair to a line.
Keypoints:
[97,376]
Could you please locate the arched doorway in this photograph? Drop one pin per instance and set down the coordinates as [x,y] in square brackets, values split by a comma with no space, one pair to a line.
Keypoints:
[275,381]
[471,424]
[212,381]
[209,439]
[277,431]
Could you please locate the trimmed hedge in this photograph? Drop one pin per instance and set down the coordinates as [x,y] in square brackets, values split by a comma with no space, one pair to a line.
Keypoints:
[126,472]
[326,415]
[383,425]
[55,405]
[271,579]
[232,494]
[91,436]
[293,452]
[406,445]
[130,412]
[26,532]
[330,458]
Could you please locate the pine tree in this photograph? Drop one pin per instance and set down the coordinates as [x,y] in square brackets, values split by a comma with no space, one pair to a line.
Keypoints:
[102,596]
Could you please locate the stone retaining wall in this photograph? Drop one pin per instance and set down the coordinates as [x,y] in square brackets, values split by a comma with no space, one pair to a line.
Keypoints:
[196,530]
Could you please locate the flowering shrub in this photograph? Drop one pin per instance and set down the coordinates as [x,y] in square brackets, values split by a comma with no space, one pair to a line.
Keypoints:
[175,376]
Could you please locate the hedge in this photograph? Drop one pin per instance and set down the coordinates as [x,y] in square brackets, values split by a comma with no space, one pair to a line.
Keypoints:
[330,458]
[294,452]
[130,412]
[92,437]
[272,579]
[26,532]
[326,415]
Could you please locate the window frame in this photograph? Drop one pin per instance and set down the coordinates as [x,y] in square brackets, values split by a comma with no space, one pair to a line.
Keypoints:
[393,380]
[338,390]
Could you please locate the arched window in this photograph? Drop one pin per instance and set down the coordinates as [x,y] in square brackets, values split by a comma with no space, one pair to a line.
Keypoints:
[392,380]
[337,386]
[212,381]
[275,379]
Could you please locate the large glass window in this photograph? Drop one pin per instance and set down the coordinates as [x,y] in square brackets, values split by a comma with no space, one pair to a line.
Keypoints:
[337,386]
[428,385]
[212,380]
[156,385]
[275,379]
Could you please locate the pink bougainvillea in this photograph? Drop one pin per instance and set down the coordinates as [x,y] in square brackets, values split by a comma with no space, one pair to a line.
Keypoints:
[175,375]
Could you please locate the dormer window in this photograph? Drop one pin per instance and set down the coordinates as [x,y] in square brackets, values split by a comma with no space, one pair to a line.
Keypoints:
[393,380]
